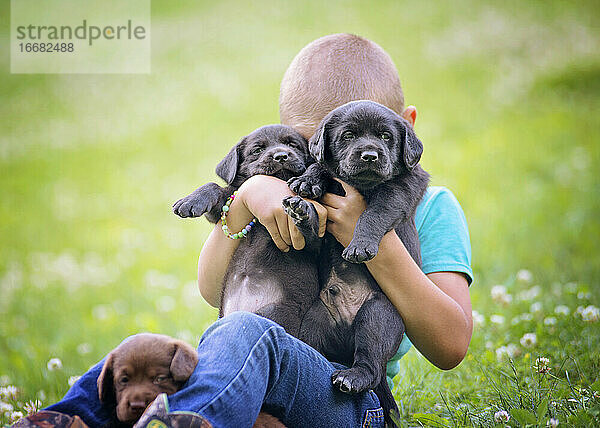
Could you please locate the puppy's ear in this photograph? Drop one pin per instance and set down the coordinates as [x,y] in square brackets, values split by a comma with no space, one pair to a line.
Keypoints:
[319,142]
[106,385]
[412,148]
[228,167]
[316,144]
[184,361]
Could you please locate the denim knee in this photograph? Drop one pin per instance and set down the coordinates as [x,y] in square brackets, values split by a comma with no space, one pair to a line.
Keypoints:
[246,323]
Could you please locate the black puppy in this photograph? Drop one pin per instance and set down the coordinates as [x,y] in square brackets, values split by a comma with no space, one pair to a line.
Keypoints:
[373,149]
[260,278]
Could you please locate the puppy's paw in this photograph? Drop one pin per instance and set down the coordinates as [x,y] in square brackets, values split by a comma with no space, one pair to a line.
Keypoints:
[353,380]
[296,207]
[306,186]
[192,206]
[360,252]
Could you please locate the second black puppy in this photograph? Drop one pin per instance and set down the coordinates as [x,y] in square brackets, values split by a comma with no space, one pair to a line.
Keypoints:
[261,278]
[376,151]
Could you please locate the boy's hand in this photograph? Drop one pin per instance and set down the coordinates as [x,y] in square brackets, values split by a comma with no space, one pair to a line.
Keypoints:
[262,196]
[343,212]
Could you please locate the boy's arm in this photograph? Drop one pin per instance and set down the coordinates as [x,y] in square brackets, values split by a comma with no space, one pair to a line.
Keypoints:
[260,197]
[436,307]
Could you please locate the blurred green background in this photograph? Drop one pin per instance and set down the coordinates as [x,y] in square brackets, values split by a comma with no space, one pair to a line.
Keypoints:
[507,95]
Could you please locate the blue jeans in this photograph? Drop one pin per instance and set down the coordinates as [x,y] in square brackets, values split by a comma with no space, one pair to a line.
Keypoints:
[247,362]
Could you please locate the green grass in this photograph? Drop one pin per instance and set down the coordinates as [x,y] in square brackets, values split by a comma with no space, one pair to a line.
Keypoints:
[508,100]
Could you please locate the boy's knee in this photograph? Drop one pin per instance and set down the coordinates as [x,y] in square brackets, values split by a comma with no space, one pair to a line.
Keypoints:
[248,322]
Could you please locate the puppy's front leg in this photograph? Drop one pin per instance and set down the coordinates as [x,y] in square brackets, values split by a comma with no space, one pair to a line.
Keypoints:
[385,209]
[207,199]
[306,219]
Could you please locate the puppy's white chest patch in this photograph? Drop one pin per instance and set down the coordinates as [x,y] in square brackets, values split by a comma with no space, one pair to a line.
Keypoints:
[343,298]
[246,294]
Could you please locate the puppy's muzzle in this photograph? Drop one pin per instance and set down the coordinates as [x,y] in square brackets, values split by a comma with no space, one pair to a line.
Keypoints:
[137,406]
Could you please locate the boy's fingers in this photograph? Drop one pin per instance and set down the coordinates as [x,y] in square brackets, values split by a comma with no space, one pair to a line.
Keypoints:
[332,216]
[296,236]
[271,227]
[332,200]
[322,213]
[282,224]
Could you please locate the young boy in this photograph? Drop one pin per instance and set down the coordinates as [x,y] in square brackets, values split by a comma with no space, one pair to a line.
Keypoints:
[247,362]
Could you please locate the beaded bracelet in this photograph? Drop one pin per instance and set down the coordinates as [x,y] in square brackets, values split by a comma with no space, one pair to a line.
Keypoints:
[242,233]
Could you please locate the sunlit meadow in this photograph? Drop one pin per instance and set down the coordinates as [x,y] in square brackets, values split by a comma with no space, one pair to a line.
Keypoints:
[508,97]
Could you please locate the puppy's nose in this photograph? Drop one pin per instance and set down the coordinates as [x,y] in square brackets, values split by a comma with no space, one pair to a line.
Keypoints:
[280,156]
[137,405]
[369,156]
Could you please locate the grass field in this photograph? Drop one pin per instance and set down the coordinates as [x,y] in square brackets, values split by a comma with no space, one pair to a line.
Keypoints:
[508,98]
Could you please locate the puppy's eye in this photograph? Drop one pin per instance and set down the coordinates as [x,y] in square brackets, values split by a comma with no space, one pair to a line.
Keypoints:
[258,150]
[385,136]
[160,379]
[348,135]
[123,380]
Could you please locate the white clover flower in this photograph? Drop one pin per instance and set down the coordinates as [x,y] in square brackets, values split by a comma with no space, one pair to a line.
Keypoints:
[529,340]
[497,319]
[542,365]
[54,364]
[550,321]
[552,423]
[5,408]
[15,416]
[478,319]
[84,348]
[524,275]
[73,379]
[489,344]
[32,407]
[497,290]
[509,351]
[562,310]
[501,353]
[526,316]
[583,295]
[515,320]
[535,307]
[8,392]
[590,314]
[165,304]
[100,312]
[530,294]
[579,310]
[500,295]
[501,416]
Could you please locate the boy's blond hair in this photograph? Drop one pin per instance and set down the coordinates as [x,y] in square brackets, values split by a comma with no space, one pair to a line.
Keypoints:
[332,71]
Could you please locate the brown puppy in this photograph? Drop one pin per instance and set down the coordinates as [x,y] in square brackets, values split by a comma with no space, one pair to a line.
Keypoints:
[141,368]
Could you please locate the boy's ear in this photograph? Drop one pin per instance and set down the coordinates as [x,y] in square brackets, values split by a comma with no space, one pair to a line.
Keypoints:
[410,114]
[106,385]
[412,148]
[228,167]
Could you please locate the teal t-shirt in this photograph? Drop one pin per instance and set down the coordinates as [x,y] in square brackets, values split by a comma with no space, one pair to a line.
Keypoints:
[445,246]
